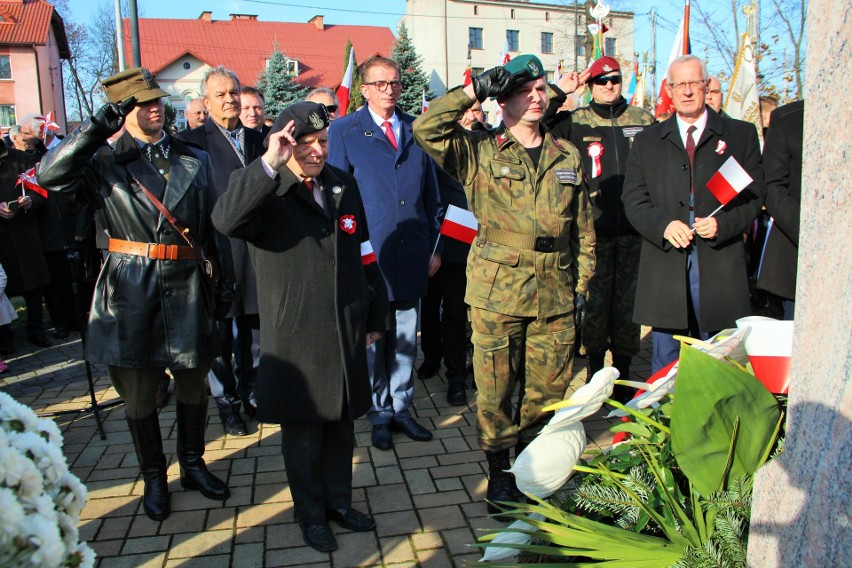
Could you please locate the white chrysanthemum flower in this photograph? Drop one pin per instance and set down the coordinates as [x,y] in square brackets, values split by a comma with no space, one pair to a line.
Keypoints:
[44,538]
[585,401]
[86,555]
[499,553]
[47,457]
[50,431]
[19,472]
[547,463]
[71,497]
[15,416]
[11,516]
[68,530]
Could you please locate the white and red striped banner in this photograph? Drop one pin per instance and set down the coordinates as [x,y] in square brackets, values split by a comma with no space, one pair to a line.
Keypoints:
[346,85]
[769,345]
[459,224]
[729,181]
[28,181]
[367,254]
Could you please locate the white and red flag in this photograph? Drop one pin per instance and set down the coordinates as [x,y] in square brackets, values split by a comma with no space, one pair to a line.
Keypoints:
[425,102]
[367,254]
[505,53]
[729,181]
[681,46]
[769,345]
[459,224]
[28,181]
[346,85]
[48,124]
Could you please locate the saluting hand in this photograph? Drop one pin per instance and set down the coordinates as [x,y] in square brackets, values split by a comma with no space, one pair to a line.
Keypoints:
[280,147]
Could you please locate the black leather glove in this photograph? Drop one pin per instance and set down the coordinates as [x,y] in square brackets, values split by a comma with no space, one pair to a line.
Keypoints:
[579,311]
[496,82]
[110,117]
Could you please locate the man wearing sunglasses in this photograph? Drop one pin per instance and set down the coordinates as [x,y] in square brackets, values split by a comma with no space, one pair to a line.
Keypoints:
[325,96]
[603,132]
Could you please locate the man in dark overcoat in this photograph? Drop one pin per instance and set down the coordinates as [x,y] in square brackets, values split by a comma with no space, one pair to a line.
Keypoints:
[322,299]
[154,300]
[782,168]
[667,200]
[231,146]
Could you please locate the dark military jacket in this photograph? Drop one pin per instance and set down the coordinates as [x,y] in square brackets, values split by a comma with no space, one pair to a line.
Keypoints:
[509,196]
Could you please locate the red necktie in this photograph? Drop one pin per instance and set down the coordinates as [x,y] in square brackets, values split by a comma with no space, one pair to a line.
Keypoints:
[314,191]
[389,133]
[690,152]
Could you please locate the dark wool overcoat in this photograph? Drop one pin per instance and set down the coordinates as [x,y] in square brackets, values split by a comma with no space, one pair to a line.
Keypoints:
[317,297]
[656,192]
[225,160]
[782,167]
[20,243]
[145,312]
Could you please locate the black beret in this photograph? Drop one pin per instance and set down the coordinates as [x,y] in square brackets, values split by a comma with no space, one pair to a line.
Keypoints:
[309,117]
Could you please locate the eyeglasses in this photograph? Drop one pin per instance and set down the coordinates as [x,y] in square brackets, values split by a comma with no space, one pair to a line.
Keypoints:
[331,108]
[383,85]
[692,85]
[604,79]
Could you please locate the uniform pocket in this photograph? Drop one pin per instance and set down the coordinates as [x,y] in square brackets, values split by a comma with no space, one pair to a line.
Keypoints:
[491,364]
[509,187]
[491,275]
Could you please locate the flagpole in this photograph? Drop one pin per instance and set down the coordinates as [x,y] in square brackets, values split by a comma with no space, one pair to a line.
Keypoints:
[434,249]
[719,208]
[685,29]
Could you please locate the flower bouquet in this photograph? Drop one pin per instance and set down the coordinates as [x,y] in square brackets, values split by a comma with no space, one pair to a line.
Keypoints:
[40,499]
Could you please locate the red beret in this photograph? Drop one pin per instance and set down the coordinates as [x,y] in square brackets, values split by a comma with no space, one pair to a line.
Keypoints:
[603,66]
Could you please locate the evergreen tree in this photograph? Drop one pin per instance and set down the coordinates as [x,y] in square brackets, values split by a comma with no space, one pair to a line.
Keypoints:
[278,87]
[414,80]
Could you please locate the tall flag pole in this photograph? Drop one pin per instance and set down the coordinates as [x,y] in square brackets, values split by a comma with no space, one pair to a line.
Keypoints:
[680,47]
[742,101]
[346,85]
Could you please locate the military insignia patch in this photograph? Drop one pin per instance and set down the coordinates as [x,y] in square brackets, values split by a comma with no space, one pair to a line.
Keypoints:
[566,175]
[502,138]
[631,131]
[316,121]
[505,171]
[534,71]
[336,189]
[607,68]
[347,224]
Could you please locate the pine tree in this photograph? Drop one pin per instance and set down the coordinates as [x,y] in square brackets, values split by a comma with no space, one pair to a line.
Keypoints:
[414,80]
[278,87]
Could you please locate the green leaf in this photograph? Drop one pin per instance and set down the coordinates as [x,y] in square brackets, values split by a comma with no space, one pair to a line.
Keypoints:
[633,428]
[710,397]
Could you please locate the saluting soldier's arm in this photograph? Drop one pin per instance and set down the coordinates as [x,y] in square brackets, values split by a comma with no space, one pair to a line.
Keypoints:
[437,131]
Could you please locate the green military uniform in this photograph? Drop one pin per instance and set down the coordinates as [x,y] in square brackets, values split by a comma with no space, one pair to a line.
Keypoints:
[603,134]
[534,251]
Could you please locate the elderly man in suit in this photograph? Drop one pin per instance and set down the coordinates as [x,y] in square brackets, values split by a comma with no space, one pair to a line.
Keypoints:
[195,113]
[398,183]
[294,210]
[692,271]
[231,146]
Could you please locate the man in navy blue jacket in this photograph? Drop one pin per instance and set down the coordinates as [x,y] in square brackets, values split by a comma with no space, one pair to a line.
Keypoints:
[400,193]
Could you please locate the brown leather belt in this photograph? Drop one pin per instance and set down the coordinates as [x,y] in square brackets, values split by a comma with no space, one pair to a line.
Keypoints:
[524,242]
[153,250]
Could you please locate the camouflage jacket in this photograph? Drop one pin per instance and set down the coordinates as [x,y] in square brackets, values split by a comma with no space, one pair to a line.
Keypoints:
[522,212]
[606,131]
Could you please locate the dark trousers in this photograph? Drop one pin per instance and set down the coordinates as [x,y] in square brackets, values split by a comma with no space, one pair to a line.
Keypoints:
[35,311]
[228,385]
[138,387]
[443,321]
[318,460]
[58,295]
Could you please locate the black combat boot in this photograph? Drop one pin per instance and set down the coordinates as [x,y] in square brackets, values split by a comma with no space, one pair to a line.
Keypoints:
[152,465]
[501,484]
[456,391]
[596,363]
[191,420]
[622,393]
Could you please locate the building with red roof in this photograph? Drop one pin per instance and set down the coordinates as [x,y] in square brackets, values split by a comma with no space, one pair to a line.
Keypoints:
[179,52]
[32,43]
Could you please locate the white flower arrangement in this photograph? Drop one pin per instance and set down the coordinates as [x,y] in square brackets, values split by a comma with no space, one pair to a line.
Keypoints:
[40,499]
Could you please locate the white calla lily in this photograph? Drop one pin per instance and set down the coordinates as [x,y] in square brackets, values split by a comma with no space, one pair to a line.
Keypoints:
[497,553]
[585,401]
[654,392]
[547,463]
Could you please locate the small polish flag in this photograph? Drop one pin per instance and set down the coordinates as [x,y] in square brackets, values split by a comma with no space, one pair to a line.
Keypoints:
[505,52]
[345,85]
[459,224]
[367,254]
[28,181]
[48,125]
[729,181]
[769,345]
[425,102]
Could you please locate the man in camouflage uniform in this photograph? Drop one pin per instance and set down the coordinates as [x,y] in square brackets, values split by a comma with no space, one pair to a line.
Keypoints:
[533,253]
[603,133]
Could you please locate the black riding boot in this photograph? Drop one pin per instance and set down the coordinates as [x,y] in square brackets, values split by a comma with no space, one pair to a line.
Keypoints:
[191,420]
[152,465]
[622,393]
[596,363]
[501,484]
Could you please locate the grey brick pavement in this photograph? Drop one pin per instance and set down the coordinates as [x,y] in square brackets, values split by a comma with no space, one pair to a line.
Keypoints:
[426,497]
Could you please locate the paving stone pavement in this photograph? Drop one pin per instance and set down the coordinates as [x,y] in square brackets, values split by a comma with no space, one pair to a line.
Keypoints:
[426,497]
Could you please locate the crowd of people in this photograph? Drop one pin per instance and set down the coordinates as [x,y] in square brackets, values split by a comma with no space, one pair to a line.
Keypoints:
[286,263]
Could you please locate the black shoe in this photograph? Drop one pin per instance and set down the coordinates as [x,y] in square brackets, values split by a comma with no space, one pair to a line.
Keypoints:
[456,394]
[412,429]
[234,425]
[351,519]
[38,338]
[382,438]
[60,332]
[152,463]
[319,537]
[427,370]
[249,408]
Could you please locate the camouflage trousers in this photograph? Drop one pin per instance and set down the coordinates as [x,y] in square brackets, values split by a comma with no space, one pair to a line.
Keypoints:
[612,292]
[500,343]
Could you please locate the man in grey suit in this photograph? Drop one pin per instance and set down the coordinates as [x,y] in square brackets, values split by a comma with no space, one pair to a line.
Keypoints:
[231,146]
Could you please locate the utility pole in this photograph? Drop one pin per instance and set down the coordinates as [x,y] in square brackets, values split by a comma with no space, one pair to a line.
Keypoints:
[576,30]
[134,34]
[653,68]
[119,36]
